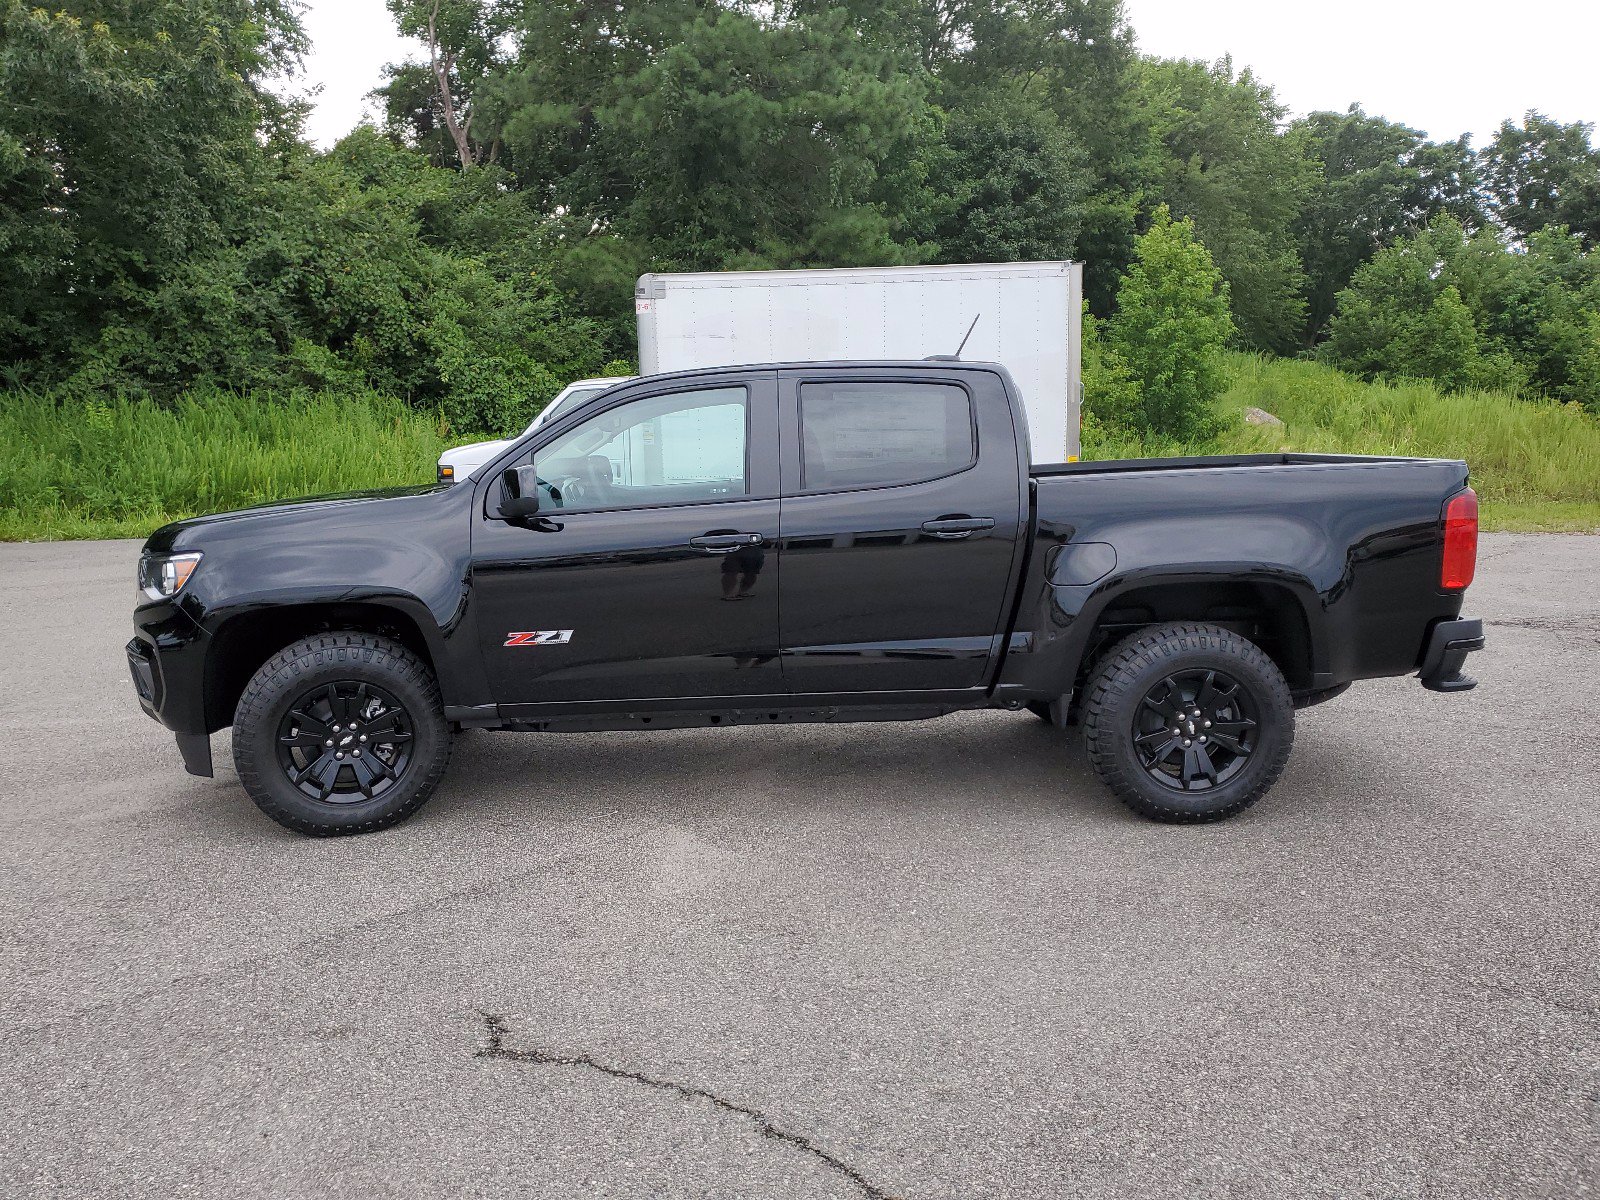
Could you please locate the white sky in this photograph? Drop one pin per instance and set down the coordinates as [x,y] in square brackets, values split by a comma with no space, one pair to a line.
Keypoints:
[351,42]
[1444,66]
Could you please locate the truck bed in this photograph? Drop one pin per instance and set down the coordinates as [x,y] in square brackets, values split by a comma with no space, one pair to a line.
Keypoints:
[1211,462]
[1349,545]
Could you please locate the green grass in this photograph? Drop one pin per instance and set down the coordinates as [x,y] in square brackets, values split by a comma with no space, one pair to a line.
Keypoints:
[1535,464]
[121,469]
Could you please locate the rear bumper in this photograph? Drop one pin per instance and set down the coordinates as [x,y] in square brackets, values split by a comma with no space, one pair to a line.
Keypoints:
[1449,643]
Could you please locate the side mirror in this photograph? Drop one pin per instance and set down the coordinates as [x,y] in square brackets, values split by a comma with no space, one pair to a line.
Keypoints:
[519,493]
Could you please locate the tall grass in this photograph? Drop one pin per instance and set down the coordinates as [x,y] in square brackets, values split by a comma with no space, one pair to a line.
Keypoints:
[125,467]
[119,469]
[1518,450]
[1535,464]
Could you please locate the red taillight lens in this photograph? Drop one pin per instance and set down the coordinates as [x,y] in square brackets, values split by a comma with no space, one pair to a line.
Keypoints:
[1460,541]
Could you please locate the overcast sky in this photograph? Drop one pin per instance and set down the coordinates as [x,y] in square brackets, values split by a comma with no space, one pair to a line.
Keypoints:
[1444,66]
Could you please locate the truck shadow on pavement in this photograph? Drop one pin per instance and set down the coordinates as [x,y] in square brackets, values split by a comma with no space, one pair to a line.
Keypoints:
[1005,762]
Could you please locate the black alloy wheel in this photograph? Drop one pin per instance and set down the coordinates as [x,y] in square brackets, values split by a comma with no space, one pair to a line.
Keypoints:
[345,742]
[1196,730]
[1187,722]
[341,732]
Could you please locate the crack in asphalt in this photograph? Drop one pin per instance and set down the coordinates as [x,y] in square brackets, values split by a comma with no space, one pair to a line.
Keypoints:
[498,1029]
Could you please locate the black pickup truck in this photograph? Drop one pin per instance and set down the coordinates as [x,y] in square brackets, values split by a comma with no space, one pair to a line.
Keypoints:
[852,541]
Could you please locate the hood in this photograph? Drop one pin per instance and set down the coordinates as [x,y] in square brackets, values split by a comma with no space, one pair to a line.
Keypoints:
[168,535]
[465,458]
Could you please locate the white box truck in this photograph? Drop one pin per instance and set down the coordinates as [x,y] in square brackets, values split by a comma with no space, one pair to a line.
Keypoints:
[1029,319]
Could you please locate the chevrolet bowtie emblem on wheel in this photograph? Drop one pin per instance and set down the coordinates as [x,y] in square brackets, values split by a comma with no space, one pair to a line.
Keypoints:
[540,637]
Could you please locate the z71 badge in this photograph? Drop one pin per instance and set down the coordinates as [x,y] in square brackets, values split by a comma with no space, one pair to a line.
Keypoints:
[540,637]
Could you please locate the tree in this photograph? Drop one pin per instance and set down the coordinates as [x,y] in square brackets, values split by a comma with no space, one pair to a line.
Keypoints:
[1472,310]
[1373,182]
[1073,60]
[1171,327]
[1228,168]
[1011,185]
[757,144]
[1400,319]
[463,39]
[1543,173]
[134,140]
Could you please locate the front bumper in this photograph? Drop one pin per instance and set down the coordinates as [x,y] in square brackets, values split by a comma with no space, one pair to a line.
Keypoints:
[1449,643]
[166,659]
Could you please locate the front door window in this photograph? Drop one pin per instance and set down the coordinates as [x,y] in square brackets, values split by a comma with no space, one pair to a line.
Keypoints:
[680,448]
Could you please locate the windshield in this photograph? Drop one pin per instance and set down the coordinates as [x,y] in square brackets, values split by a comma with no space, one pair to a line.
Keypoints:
[566,403]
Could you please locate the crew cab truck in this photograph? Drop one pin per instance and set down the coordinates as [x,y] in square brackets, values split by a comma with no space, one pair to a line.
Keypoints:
[845,541]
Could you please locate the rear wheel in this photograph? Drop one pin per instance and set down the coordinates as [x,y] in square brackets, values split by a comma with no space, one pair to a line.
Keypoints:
[1188,723]
[341,733]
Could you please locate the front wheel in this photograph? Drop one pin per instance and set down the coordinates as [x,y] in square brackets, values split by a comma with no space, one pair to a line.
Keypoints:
[1188,723]
[341,733]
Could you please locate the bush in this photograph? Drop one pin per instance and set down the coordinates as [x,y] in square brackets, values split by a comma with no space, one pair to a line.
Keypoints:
[1170,330]
[1471,312]
[367,270]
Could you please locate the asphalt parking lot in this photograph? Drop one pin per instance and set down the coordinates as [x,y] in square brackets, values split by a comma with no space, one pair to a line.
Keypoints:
[929,960]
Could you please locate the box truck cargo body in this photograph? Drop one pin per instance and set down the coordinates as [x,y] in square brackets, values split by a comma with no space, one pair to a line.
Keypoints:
[1029,319]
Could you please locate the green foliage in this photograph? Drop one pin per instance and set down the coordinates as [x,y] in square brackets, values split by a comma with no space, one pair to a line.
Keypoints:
[1228,170]
[1373,182]
[1535,464]
[1171,328]
[1011,185]
[120,468]
[1543,173]
[1399,321]
[1112,403]
[1520,451]
[1470,311]
[772,163]
[132,138]
[166,231]
[123,467]
[438,99]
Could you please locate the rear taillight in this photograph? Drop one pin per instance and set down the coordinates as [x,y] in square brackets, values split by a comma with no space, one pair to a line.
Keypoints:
[1460,541]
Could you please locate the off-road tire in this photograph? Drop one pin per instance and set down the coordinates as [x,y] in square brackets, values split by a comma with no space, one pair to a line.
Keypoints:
[1140,662]
[333,658]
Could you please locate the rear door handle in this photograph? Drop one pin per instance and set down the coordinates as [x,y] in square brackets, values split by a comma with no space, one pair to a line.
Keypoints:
[725,543]
[957,527]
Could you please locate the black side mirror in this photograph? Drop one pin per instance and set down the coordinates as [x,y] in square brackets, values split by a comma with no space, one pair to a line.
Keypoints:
[519,493]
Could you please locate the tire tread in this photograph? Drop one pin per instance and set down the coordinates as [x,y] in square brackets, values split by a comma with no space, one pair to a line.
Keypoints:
[252,757]
[1113,680]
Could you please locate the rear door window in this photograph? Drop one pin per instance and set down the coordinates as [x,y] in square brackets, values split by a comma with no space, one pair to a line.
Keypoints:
[861,435]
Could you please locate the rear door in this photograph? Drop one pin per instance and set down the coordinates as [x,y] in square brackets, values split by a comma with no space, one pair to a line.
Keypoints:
[901,513]
[651,570]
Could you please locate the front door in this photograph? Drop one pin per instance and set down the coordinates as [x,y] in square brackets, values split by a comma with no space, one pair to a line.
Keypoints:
[651,569]
[901,512]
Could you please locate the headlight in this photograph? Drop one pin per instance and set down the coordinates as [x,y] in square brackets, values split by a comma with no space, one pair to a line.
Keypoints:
[162,576]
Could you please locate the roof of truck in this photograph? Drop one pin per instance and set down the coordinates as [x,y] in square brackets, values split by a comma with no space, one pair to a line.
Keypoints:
[847,364]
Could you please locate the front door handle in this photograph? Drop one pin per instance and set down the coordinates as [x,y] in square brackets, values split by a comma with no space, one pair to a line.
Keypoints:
[725,543]
[957,527]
